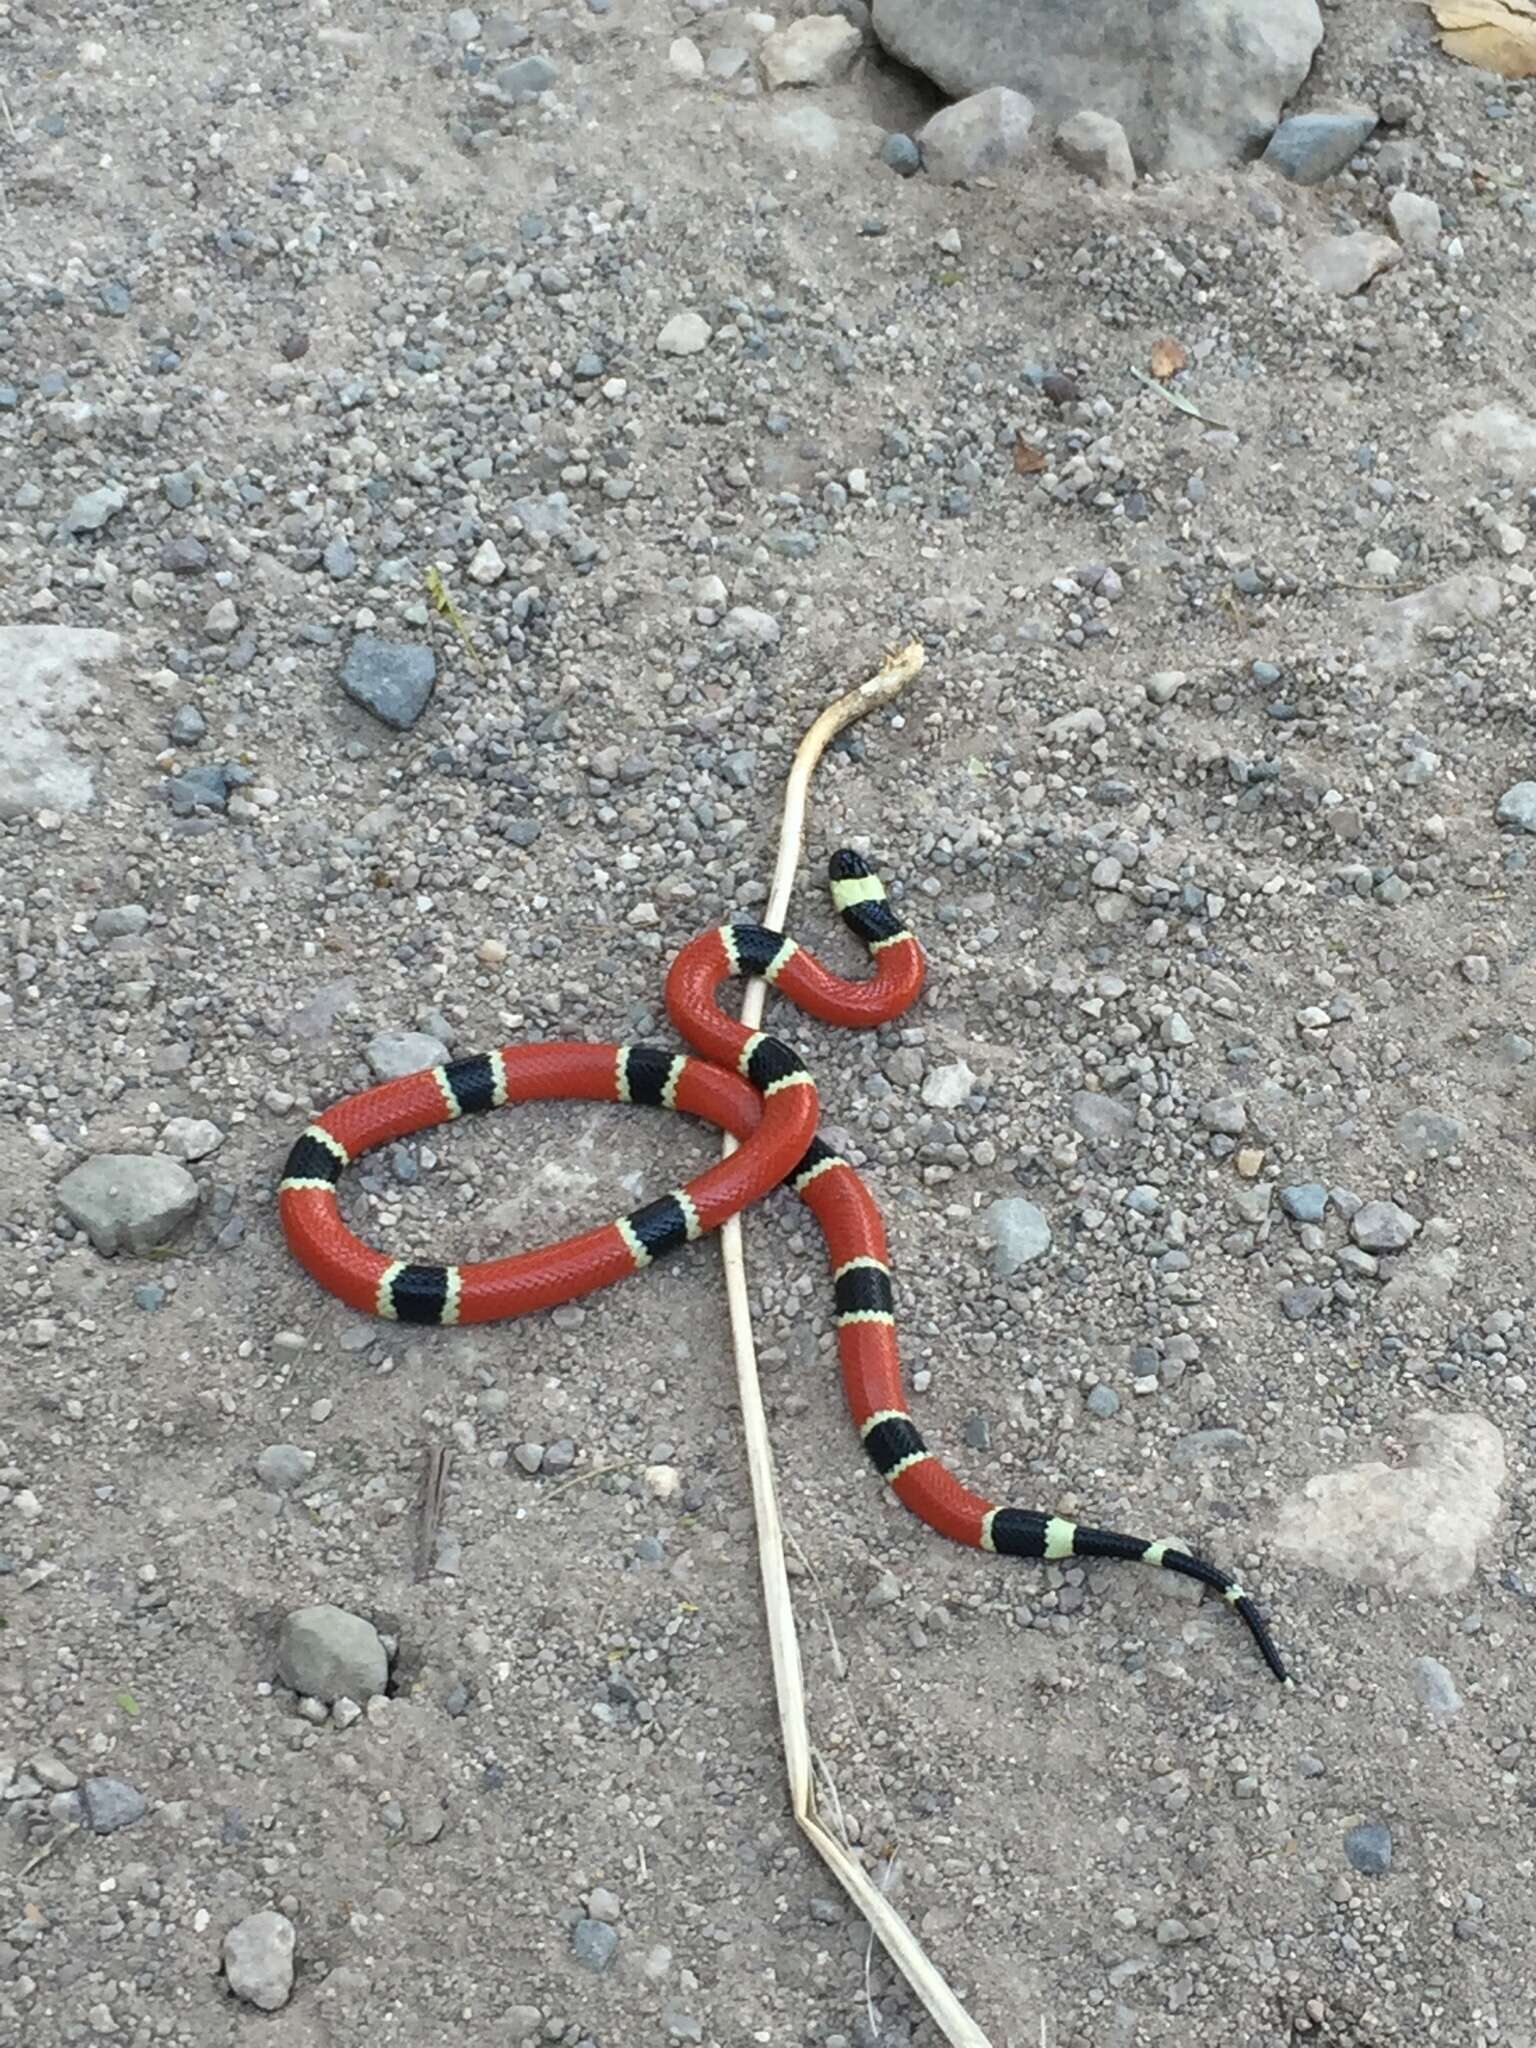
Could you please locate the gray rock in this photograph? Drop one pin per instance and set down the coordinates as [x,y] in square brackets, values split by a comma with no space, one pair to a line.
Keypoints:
[1193,83]
[526,78]
[744,622]
[1305,1202]
[324,1653]
[543,519]
[1301,1301]
[979,135]
[392,679]
[281,1467]
[1414,1528]
[258,1960]
[188,726]
[1517,807]
[594,1944]
[948,1086]
[902,155]
[1434,1687]
[1383,1227]
[1427,1134]
[1017,1231]
[1369,1848]
[1307,148]
[392,1053]
[121,921]
[1104,1119]
[1103,1401]
[1417,221]
[1345,264]
[208,786]
[128,1201]
[1095,144]
[184,555]
[463,26]
[685,334]
[107,1804]
[339,560]
[43,689]
[818,49]
[93,509]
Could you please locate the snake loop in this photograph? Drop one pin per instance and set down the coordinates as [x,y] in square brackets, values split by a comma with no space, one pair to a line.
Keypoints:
[758,1088]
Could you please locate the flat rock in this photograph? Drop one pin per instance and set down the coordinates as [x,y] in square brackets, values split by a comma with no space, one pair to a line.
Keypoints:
[1104,1119]
[816,50]
[92,510]
[1096,145]
[1017,1231]
[978,136]
[685,334]
[1383,1227]
[107,1804]
[258,1960]
[44,686]
[947,1087]
[1415,1528]
[128,1201]
[1494,437]
[1345,264]
[1307,148]
[1468,597]
[1517,807]
[392,1053]
[1369,1848]
[1433,1687]
[391,678]
[1193,83]
[324,1653]
[1417,221]
[1428,1134]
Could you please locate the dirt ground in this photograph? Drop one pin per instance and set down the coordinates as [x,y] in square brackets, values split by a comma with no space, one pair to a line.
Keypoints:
[1197,820]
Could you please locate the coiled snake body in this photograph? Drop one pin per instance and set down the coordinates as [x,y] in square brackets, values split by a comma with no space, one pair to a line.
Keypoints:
[756,1087]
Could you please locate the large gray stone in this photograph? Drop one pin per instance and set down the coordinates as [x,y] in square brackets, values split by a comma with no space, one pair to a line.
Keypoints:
[1310,147]
[128,1201]
[393,679]
[977,136]
[1415,1527]
[43,689]
[327,1654]
[258,1960]
[1192,82]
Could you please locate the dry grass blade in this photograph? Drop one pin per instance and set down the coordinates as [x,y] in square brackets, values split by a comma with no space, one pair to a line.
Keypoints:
[895,1936]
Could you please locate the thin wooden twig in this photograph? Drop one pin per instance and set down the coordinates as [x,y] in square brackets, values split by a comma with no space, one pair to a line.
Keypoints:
[432,1507]
[896,1937]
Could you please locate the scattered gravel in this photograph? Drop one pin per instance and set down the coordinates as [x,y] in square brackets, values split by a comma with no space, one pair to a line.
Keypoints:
[445,461]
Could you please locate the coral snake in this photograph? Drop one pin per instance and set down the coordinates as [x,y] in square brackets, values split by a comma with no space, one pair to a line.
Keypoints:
[756,1087]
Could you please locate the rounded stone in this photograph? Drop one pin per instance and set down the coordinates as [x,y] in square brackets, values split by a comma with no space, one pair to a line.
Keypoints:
[324,1653]
[258,1960]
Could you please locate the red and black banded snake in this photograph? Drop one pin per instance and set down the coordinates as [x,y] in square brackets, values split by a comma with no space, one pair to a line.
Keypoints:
[757,1088]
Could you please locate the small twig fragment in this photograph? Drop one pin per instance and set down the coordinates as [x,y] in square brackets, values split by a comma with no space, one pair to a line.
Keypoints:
[432,1507]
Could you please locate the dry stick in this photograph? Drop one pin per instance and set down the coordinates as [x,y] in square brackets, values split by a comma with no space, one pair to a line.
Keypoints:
[898,1940]
[433,1486]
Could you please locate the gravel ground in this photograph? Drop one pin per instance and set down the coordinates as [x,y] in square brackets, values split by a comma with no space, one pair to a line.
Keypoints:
[1206,1159]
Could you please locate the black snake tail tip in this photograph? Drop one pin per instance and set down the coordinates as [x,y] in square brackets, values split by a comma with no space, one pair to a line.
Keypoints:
[1260,1633]
[845,864]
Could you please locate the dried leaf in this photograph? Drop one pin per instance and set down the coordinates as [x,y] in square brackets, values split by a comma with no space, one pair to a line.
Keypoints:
[1027,459]
[1169,357]
[1493,35]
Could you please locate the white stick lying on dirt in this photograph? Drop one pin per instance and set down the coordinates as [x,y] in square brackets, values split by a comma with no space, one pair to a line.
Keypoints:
[898,1940]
